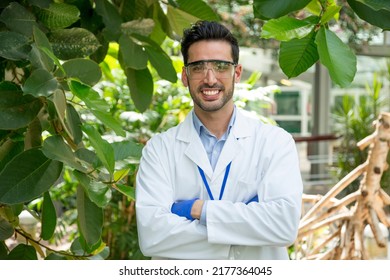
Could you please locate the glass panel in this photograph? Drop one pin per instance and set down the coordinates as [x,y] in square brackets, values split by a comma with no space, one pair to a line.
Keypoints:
[288,103]
[290,126]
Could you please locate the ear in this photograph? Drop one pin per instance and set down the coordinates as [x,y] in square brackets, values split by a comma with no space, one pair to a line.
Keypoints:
[184,77]
[237,73]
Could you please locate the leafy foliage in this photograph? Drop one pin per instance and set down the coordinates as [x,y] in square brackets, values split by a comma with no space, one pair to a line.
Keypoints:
[56,121]
[306,36]
[353,120]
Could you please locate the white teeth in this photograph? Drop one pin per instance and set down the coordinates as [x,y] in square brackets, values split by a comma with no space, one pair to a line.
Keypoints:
[210,92]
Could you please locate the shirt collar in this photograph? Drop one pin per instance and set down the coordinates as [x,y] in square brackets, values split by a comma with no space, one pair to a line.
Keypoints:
[199,126]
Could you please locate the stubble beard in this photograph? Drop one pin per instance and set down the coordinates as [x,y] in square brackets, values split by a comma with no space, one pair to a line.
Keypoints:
[212,106]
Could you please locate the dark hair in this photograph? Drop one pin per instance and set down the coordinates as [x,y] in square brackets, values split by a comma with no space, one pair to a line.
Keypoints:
[208,30]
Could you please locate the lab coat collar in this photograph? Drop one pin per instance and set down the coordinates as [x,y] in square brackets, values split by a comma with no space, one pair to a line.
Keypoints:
[196,152]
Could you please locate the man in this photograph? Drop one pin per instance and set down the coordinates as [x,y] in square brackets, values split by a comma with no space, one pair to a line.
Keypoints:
[219,185]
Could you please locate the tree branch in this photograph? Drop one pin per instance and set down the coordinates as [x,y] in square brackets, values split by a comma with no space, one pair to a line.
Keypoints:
[30,239]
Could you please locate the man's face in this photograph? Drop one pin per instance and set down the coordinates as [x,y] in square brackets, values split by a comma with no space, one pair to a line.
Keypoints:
[211,88]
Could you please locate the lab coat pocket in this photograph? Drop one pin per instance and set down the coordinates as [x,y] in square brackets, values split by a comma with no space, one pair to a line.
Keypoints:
[244,191]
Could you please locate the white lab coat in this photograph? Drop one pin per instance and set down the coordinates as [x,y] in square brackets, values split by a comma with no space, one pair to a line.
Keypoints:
[264,162]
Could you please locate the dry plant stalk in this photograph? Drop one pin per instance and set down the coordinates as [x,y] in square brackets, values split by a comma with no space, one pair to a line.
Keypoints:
[344,220]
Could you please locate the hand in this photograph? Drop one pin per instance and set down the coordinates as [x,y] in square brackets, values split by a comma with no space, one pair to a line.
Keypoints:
[183,208]
[253,199]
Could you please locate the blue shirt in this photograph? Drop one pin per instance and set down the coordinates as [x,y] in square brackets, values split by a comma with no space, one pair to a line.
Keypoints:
[213,147]
[211,143]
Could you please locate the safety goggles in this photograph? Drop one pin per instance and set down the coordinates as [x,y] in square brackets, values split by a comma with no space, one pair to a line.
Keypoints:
[222,69]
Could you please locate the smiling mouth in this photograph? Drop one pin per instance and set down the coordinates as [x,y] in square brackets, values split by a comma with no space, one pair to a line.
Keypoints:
[210,92]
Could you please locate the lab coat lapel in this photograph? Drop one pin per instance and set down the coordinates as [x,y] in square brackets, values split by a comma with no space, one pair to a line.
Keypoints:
[195,150]
[198,155]
[230,150]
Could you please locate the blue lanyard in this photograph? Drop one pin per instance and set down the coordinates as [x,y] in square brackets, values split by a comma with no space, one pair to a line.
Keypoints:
[223,183]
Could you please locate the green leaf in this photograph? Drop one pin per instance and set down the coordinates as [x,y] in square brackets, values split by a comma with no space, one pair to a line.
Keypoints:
[127,149]
[9,86]
[129,8]
[39,59]
[101,52]
[14,46]
[141,86]
[74,124]
[60,104]
[111,18]
[158,58]
[142,26]
[298,55]
[287,28]
[50,54]
[27,176]
[98,192]
[59,15]
[103,149]
[336,56]
[199,9]
[59,101]
[131,54]
[3,251]
[55,148]
[6,229]
[8,150]
[376,4]
[85,70]
[56,257]
[49,217]
[86,155]
[158,35]
[41,39]
[161,24]
[267,9]
[102,255]
[40,83]
[23,252]
[11,213]
[78,245]
[73,43]
[314,7]
[16,208]
[90,97]
[330,13]
[179,20]
[17,110]
[87,249]
[17,18]
[380,18]
[40,3]
[126,190]
[120,174]
[90,218]
[141,8]
[162,63]
[148,2]
[172,3]
[108,120]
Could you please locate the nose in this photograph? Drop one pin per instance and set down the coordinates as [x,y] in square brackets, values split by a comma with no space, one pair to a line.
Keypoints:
[210,77]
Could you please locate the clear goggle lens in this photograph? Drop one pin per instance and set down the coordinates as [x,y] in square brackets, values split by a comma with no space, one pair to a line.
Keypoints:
[221,69]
